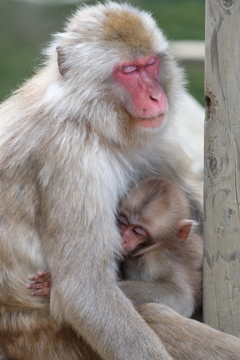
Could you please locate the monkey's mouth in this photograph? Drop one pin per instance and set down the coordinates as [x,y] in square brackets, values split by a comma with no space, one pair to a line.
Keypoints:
[137,251]
[145,247]
[150,122]
[142,248]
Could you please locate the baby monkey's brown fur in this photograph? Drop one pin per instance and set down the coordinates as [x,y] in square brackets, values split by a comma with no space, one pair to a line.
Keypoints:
[164,264]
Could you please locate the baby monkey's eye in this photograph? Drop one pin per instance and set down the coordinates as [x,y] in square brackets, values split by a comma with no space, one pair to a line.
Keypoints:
[121,219]
[139,231]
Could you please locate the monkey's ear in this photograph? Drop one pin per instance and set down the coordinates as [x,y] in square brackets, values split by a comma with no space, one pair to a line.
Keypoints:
[61,66]
[185,227]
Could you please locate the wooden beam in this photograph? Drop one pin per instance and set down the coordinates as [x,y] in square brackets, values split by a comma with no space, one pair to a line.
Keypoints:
[221,300]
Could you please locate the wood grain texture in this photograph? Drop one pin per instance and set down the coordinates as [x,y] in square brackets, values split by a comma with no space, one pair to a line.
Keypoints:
[222,167]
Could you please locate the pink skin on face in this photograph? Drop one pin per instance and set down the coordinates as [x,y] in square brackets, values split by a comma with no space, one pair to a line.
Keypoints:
[132,235]
[148,100]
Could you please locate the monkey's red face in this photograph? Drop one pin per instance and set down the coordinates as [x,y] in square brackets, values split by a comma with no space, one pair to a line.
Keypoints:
[132,235]
[145,100]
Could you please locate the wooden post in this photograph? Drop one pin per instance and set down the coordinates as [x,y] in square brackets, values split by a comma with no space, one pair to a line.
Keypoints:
[221,299]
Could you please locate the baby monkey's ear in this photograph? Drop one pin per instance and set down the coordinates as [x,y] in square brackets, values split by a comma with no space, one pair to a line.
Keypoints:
[184,230]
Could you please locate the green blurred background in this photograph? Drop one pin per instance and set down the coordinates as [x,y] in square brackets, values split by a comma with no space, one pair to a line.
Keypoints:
[25,28]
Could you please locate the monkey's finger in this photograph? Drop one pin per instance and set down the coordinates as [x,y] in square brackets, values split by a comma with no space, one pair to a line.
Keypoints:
[28,286]
[39,278]
[32,276]
[34,286]
[34,293]
[43,274]
[41,292]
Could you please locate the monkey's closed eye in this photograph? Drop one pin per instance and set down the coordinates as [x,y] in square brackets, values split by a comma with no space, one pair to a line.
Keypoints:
[121,219]
[129,69]
[139,231]
[152,61]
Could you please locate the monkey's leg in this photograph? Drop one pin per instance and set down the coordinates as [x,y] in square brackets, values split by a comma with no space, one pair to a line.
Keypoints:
[33,335]
[187,339]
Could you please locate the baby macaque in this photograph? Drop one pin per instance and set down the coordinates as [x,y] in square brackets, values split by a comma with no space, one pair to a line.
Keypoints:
[162,252]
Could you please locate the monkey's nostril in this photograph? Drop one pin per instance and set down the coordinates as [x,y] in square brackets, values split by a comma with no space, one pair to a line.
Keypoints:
[153,98]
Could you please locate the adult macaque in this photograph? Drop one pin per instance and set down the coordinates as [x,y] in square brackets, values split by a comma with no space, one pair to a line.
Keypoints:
[95,120]
[163,262]
[189,129]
